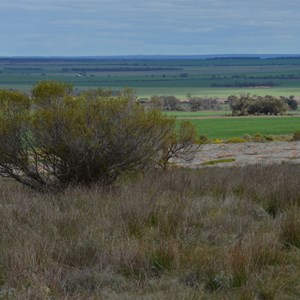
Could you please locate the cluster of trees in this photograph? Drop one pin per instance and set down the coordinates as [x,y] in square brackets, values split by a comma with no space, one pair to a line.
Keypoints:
[255,105]
[171,103]
[167,103]
[197,104]
[270,76]
[56,138]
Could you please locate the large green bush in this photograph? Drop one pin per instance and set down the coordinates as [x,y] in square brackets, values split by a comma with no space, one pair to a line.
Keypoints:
[256,105]
[56,138]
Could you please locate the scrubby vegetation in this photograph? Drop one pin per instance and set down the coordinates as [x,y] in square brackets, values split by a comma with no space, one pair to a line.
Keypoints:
[218,233]
[54,138]
[110,224]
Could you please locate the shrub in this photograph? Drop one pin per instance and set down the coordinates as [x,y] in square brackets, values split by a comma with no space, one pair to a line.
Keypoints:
[259,138]
[269,138]
[203,139]
[56,139]
[236,140]
[247,137]
[296,136]
[217,141]
[180,145]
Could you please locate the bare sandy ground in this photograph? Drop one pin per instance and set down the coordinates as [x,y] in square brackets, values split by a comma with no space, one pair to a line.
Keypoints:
[247,153]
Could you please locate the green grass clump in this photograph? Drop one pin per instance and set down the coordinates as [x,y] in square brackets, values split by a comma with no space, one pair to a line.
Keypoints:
[236,140]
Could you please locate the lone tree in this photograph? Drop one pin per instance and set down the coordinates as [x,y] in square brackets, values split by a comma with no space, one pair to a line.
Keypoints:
[291,102]
[55,138]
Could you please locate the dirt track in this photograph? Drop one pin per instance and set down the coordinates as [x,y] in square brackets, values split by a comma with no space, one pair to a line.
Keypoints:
[247,153]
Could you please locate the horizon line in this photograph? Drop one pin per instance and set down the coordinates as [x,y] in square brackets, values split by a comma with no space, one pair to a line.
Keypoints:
[232,55]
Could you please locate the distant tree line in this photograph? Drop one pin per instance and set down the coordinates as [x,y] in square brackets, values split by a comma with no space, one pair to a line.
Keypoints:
[120,69]
[197,104]
[245,84]
[258,105]
[171,103]
[270,76]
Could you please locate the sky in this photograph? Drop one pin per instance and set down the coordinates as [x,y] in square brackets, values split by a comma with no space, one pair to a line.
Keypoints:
[131,27]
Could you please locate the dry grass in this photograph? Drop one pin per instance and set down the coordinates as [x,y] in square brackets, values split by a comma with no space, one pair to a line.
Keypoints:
[217,233]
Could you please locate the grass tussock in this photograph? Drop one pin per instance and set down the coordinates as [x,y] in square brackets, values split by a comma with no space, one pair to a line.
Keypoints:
[218,161]
[215,233]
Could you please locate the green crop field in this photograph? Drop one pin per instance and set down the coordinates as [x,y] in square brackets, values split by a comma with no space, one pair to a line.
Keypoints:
[225,111]
[229,127]
[217,77]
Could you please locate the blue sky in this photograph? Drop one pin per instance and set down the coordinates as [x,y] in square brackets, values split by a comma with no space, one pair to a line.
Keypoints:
[115,27]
